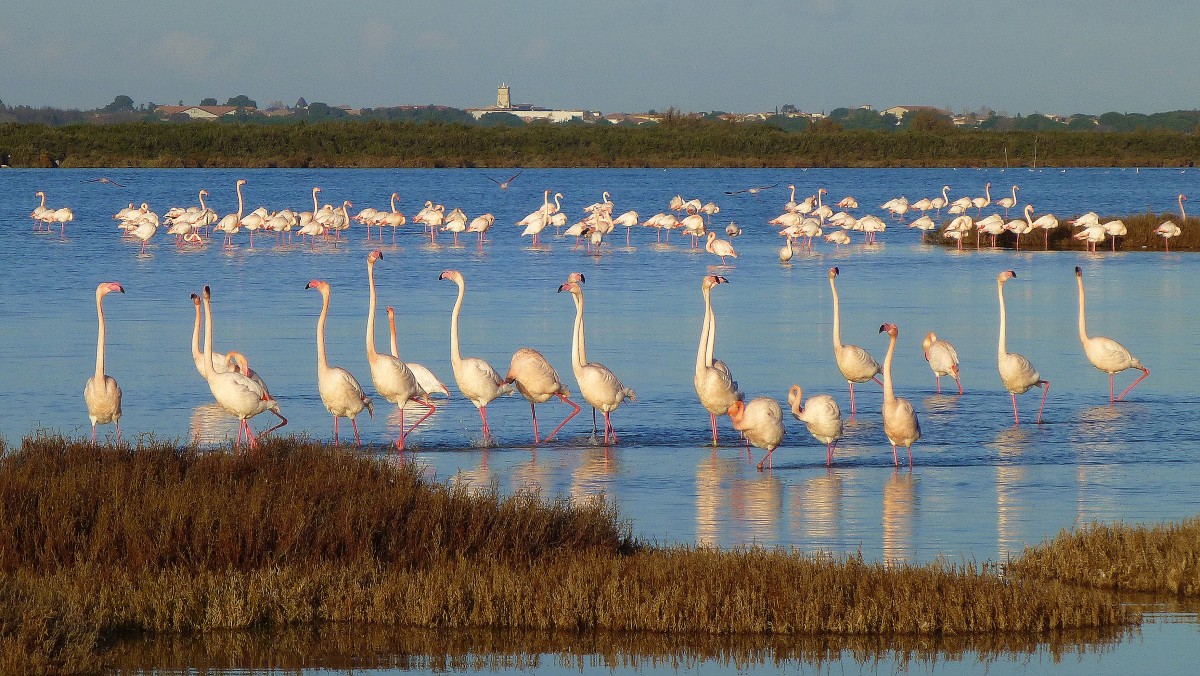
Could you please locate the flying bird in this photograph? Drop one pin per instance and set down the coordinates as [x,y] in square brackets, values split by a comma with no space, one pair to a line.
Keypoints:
[105,179]
[503,184]
[753,191]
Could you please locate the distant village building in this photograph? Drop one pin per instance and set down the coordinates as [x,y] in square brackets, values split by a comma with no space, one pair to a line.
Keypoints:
[200,112]
[529,112]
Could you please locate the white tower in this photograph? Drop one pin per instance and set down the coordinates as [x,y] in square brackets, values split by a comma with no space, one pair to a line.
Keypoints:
[502,99]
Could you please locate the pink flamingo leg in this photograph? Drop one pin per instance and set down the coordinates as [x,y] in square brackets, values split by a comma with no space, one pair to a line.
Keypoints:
[93,434]
[400,441]
[713,419]
[1145,372]
[959,383]
[609,428]
[939,383]
[1045,390]
[573,413]
[427,404]
[1111,387]
[895,456]
[118,431]
[1016,416]
[335,430]
[533,409]
[767,459]
[487,432]
[829,454]
[354,424]
[851,398]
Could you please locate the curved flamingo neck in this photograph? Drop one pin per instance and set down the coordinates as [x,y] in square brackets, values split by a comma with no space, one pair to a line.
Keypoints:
[455,354]
[315,207]
[793,197]
[322,362]
[1029,214]
[578,348]
[1182,213]
[888,394]
[392,334]
[196,353]
[712,329]
[240,203]
[703,352]
[206,364]
[1082,321]
[394,196]
[371,353]
[203,206]
[1001,351]
[100,336]
[946,194]
[43,195]
[837,317]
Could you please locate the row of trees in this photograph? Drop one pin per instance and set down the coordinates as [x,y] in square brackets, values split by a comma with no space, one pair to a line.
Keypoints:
[676,142]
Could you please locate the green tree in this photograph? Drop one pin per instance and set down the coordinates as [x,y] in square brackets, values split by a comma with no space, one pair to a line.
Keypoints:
[501,120]
[927,120]
[119,104]
[210,101]
[242,101]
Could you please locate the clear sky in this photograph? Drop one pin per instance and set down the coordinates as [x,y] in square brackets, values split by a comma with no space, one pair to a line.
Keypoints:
[1014,56]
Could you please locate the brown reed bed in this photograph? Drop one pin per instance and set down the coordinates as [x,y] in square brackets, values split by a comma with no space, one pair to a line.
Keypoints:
[1162,559]
[1140,237]
[102,543]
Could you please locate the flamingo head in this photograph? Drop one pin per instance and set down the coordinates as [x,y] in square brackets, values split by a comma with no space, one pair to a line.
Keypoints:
[576,277]
[319,285]
[106,288]
[241,181]
[238,362]
[1078,272]
[207,293]
[374,256]
[889,329]
[571,287]
[834,272]
[795,400]
[712,280]
[453,275]
[196,300]
[1005,276]
[736,410]
[42,194]
[930,339]
[391,313]
[203,191]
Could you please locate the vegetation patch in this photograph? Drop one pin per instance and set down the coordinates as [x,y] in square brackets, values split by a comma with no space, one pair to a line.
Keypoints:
[100,544]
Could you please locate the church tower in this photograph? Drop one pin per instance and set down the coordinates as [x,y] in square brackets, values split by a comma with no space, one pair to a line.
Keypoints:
[502,98]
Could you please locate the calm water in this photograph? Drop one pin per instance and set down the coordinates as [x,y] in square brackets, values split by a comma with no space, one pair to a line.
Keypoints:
[981,488]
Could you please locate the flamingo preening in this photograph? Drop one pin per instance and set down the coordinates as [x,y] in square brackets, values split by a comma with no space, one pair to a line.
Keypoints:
[761,422]
[942,358]
[538,382]
[821,415]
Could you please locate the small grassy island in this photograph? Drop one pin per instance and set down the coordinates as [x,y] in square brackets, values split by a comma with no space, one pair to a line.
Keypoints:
[102,545]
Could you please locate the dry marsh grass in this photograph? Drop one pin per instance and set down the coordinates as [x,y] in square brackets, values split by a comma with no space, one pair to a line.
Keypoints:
[1140,237]
[1163,559]
[101,543]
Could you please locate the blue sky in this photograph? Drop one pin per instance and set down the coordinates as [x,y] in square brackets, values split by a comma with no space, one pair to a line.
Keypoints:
[1014,56]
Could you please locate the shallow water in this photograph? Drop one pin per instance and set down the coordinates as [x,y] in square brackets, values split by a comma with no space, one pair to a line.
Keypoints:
[981,488]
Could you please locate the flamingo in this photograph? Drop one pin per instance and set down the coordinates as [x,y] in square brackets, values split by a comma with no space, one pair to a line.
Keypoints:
[425,378]
[63,216]
[855,363]
[1106,354]
[597,384]
[236,393]
[785,251]
[627,219]
[761,422]
[939,202]
[899,419]
[101,392]
[1167,229]
[231,223]
[838,238]
[1017,374]
[537,381]
[476,379]
[1008,202]
[505,183]
[980,202]
[714,384]
[1115,229]
[942,358]
[480,224]
[39,211]
[820,415]
[237,362]
[393,380]
[340,392]
[719,247]
[393,218]
[1046,222]
[848,202]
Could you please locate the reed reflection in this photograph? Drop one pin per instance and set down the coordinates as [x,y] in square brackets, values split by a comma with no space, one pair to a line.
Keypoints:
[1098,439]
[1010,443]
[899,502]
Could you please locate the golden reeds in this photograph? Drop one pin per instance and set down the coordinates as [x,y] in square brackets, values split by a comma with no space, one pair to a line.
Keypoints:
[98,543]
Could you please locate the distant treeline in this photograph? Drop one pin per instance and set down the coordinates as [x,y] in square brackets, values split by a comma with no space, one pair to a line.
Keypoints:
[675,142]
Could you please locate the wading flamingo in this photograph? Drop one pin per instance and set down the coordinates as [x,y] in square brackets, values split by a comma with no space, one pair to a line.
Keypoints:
[476,378]
[1017,374]
[1167,229]
[714,384]
[101,392]
[855,363]
[1106,354]
[340,392]
[899,419]
[942,358]
[425,378]
[761,422]
[1008,202]
[820,415]
[393,380]
[537,381]
[599,387]
[231,223]
[220,362]
[234,392]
